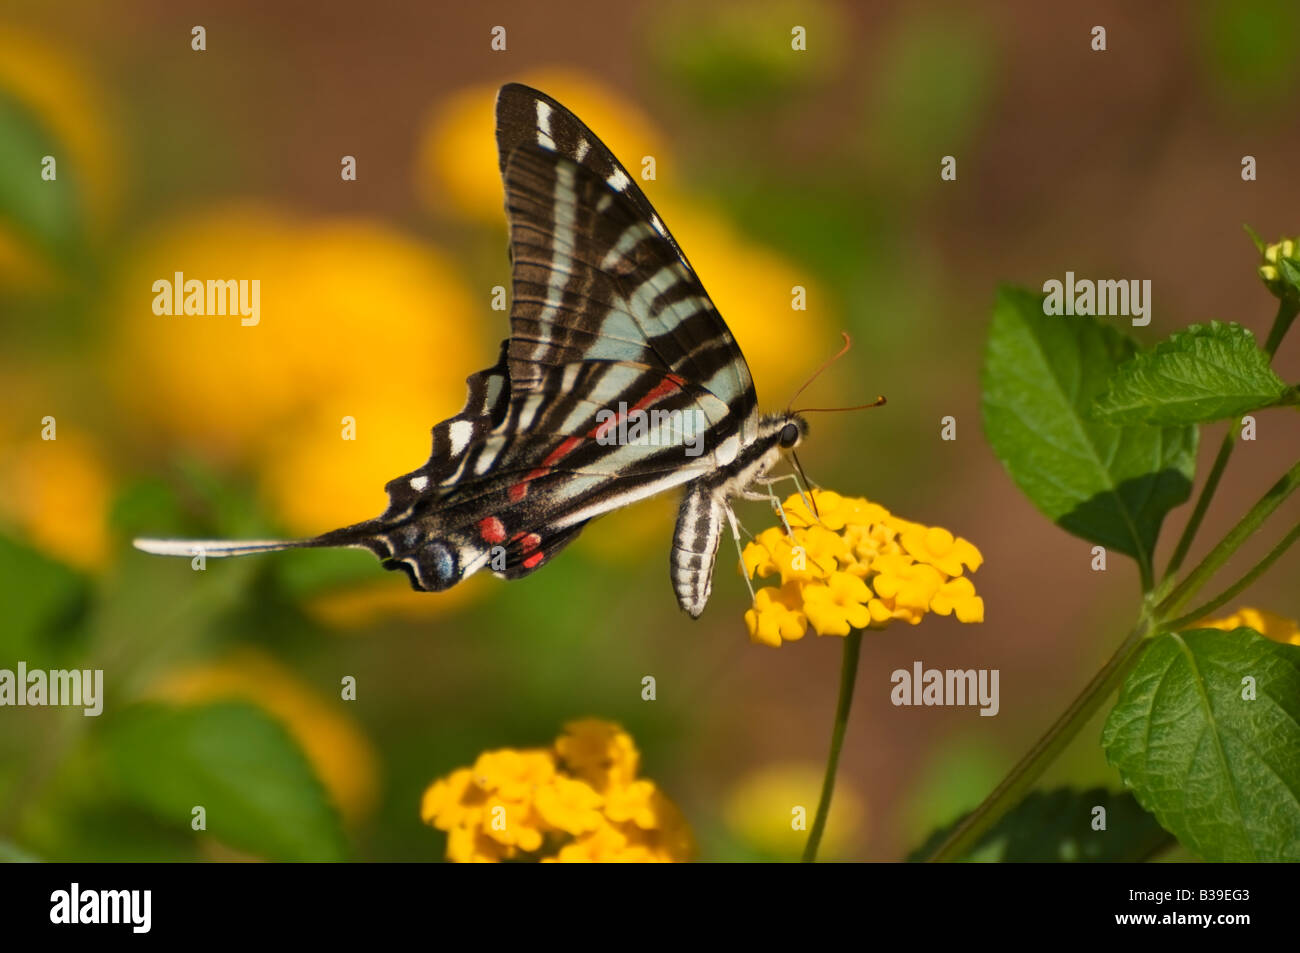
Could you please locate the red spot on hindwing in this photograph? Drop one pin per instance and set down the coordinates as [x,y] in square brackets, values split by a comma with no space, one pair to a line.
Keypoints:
[491,529]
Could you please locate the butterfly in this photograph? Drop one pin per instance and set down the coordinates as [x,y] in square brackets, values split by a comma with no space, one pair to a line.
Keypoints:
[619,381]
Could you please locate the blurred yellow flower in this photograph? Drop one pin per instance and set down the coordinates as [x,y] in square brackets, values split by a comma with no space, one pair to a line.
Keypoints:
[853,565]
[339,752]
[599,752]
[772,808]
[579,800]
[1268,624]
[364,339]
[56,493]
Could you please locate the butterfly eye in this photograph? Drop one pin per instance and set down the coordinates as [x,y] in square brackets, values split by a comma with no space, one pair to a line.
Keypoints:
[789,436]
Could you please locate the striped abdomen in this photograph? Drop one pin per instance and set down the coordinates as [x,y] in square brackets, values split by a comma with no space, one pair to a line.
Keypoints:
[695,546]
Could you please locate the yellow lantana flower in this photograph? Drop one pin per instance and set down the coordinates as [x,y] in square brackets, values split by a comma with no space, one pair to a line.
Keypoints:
[848,563]
[579,800]
[837,605]
[777,614]
[1268,624]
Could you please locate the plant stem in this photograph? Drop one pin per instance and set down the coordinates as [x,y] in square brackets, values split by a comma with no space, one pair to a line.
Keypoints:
[1286,314]
[967,834]
[1220,554]
[1202,502]
[1232,591]
[848,677]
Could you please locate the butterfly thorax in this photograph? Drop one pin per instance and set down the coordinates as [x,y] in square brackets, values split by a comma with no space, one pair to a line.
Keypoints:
[777,434]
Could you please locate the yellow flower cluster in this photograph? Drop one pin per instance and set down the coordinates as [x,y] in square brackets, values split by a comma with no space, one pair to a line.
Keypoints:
[578,801]
[853,565]
[1280,280]
[1268,624]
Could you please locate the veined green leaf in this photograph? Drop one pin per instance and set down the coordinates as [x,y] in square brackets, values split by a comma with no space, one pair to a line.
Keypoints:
[1208,372]
[1109,484]
[1207,734]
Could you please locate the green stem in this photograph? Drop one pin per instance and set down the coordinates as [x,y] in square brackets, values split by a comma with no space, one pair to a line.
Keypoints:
[848,677]
[967,834]
[1220,554]
[1286,314]
[1202,502]
[1238,587]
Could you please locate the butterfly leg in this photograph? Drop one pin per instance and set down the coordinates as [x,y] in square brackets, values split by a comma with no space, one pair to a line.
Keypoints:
[770,497]
[735,534]
[798,485]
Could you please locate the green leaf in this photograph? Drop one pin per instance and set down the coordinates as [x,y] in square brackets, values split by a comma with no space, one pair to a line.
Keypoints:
[1058,826]
[47,213]
[235,761]
[1290,272]
[1208,372]
[1109,484]
[1219,770]
[44,603]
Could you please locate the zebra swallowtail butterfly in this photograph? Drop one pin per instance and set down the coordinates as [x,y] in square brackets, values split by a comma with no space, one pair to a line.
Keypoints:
[607,320]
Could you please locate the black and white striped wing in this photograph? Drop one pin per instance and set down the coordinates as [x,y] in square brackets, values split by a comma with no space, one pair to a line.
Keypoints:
[596,273]
[608,319]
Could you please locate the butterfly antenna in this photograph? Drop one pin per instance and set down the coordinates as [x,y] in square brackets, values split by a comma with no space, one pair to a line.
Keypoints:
[878,402]
[848,343]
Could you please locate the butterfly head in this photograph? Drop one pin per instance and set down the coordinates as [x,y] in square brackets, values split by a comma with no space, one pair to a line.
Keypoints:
[789,429]
[782,431]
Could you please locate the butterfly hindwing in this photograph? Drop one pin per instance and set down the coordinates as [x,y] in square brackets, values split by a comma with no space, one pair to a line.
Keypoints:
[486,406]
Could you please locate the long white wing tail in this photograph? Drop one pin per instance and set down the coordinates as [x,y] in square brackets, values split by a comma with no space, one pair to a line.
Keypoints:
[215,547]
